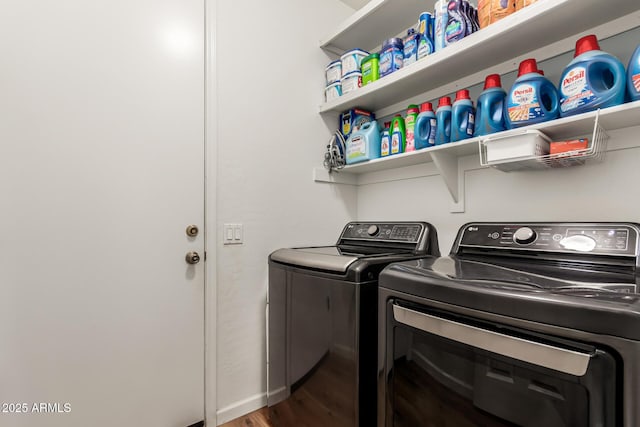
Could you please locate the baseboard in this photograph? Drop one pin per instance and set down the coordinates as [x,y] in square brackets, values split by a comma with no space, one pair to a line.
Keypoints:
[241,408]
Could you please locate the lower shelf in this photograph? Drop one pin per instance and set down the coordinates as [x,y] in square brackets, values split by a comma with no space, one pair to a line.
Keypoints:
[447,157]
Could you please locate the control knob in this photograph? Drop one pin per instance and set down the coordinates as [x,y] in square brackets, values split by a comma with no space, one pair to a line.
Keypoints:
[372,230]
[524,236]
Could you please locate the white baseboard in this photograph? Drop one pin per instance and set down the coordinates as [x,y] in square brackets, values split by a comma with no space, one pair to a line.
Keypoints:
[241,408]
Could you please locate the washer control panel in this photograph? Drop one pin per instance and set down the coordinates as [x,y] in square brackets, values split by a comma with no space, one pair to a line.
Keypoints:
[383,232]
[606,239]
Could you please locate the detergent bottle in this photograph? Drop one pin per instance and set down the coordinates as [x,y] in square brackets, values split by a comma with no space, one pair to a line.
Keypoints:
[490,109]
[633,82]
[425,128]
[532,99]
[425,28]
[411,45]
[462,116]
[443,121]
[364,143]
[456,28]
[385,140]
[440,24]
[398,135]
[409,124]
[593,79]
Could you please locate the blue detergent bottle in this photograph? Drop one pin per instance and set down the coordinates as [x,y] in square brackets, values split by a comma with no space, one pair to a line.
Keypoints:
[443,121]
[532,99]
[593,79]
[364,143]
[462,116]
[490,109]
[633,79]
[424,133]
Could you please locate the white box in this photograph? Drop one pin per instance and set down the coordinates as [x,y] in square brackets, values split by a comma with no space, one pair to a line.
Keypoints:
[528,144]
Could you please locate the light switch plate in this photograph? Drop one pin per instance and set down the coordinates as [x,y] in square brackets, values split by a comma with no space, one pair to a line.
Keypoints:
[232,234]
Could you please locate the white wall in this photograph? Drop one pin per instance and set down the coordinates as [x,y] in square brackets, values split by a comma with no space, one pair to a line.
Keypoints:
[269,138]
[604,191]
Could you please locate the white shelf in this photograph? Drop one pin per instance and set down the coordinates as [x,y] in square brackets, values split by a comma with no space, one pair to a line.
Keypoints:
[446,157]
[458,149]
[372,24]
[534,27]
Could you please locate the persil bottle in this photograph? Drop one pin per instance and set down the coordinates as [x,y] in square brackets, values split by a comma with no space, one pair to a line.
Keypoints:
[490,110]
[532,99]
[593,79]
[633,82]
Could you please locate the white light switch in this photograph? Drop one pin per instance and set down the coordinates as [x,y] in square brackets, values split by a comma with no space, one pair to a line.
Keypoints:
[237,233]
[232,234]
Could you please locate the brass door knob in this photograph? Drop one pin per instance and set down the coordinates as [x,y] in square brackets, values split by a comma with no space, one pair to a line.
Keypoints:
[192,257]
[192,231]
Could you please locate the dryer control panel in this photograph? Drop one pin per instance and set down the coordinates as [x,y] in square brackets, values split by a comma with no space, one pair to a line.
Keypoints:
[384,231]
[593,238]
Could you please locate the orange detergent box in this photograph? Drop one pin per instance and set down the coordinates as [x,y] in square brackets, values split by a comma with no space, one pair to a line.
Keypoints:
[564,146]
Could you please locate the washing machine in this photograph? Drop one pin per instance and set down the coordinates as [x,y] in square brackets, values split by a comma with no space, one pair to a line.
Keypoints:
[322,323]
[534,324]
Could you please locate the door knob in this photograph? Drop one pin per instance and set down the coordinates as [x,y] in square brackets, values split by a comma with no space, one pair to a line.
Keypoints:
[192,231]
[192,257]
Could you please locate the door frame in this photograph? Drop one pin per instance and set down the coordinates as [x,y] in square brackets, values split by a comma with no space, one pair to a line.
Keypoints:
[210,199]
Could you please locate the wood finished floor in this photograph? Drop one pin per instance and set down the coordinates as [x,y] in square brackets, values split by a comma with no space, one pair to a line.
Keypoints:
[324,400]
[259,418]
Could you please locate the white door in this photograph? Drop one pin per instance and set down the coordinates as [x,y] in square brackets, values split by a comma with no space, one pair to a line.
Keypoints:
[101,171]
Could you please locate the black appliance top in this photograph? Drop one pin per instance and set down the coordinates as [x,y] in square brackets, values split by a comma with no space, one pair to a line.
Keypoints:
[582,276]
[362,244]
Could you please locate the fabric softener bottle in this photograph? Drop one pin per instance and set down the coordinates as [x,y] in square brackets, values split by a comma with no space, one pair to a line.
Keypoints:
[425,129]
[443,121]
[409,125]
[532,99]
[398,135]
[594,79]
[490,109]
[385,140]
[462,116]
[633,82]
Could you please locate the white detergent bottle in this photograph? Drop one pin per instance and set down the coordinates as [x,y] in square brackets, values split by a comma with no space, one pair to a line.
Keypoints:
[441,19]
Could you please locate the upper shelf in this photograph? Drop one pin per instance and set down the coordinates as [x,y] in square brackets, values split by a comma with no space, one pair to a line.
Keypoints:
[531,28]
[376,21]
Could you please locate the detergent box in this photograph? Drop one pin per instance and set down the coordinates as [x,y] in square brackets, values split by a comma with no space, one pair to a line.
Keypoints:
[352,120]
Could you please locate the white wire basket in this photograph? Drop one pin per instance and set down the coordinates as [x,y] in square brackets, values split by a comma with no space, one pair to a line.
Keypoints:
[529,149]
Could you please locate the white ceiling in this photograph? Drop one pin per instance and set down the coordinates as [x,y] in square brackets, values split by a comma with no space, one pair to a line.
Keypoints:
[355,4]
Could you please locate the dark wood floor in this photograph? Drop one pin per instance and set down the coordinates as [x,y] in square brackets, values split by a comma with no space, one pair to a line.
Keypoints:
[326,398]
[259,418]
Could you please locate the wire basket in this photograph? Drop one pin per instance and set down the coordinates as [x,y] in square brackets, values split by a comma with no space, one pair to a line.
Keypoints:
[535,150]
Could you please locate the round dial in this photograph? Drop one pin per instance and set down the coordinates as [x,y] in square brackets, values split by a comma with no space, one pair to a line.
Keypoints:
[372,230]
[524,236]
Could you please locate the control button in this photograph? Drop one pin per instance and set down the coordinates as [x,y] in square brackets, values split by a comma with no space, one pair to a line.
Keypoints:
[524,236]
[372,230]
[578,242]
[495,235]
[557,237]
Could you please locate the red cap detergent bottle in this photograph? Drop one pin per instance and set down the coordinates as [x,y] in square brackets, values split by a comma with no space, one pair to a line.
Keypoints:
[633,82]
[443,121]
[593,79]
[424,133]
[490,109]
[462,116]
[532,99]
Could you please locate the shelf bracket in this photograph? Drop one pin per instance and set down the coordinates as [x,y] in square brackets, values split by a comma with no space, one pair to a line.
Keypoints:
[336,177]
[453,176]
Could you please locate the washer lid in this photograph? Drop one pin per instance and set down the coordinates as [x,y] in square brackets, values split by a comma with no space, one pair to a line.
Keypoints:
[328,258]
[595,300]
